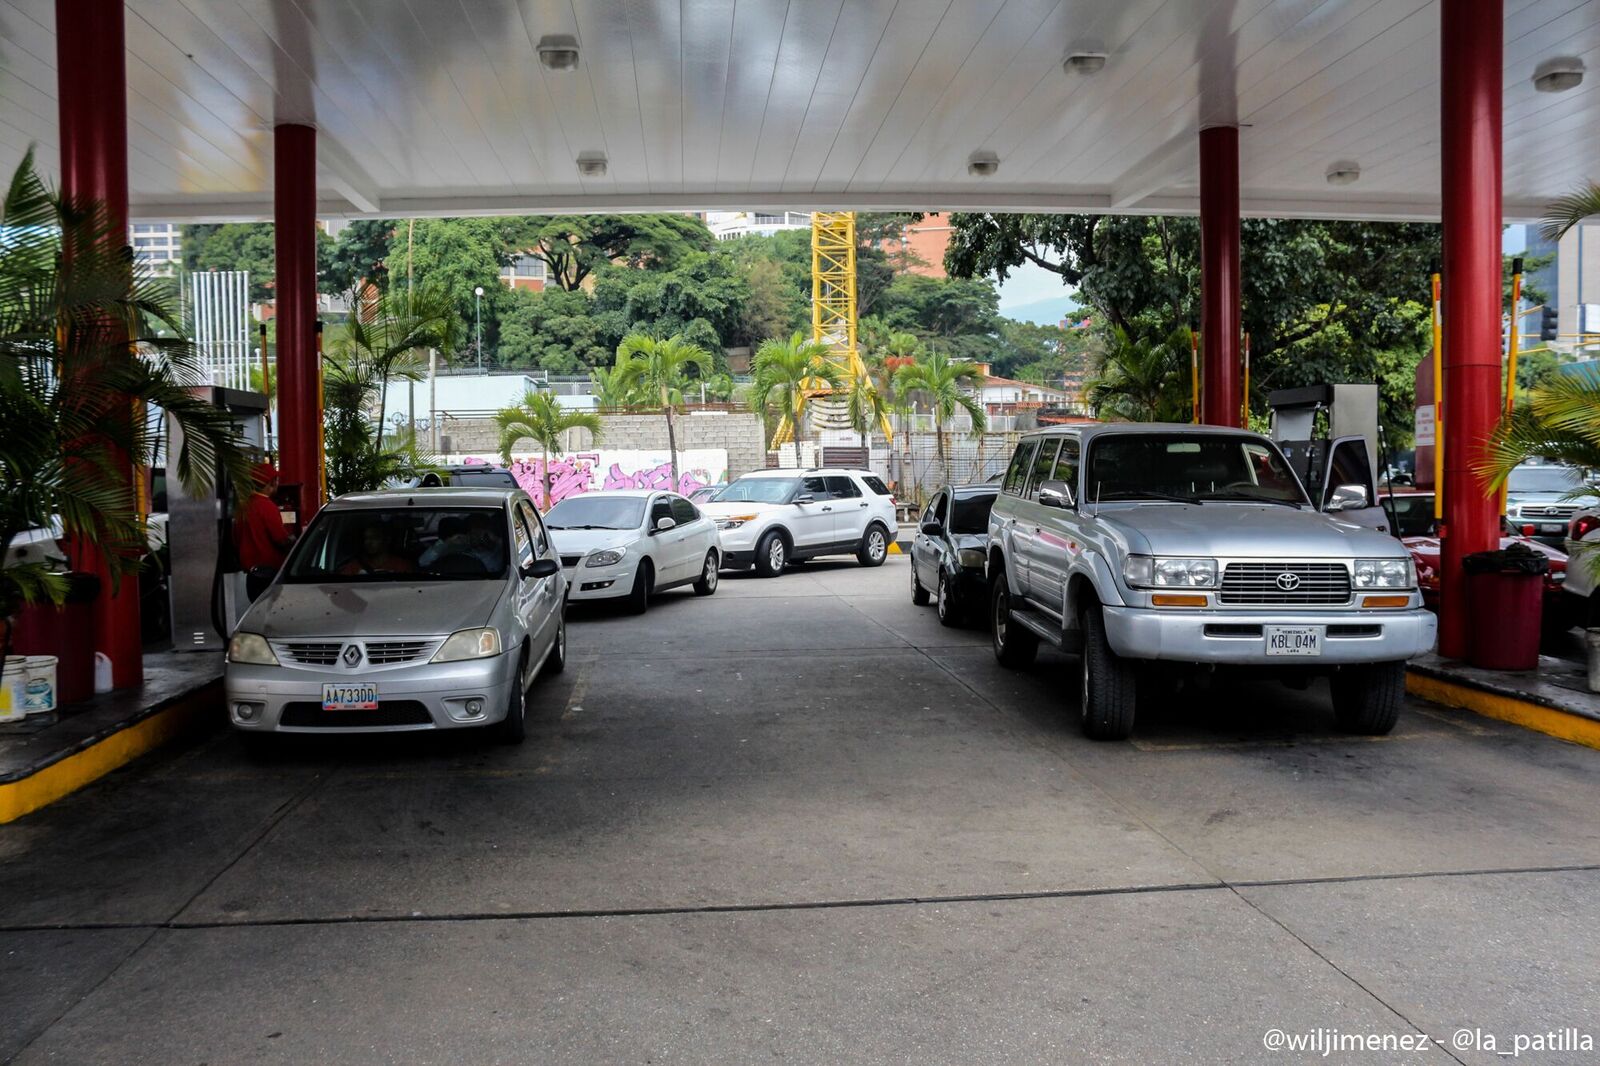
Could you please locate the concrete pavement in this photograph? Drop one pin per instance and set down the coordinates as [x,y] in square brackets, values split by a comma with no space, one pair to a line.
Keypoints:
[801,820]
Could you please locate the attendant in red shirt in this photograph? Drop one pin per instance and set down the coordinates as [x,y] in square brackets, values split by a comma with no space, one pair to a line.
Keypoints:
[258,531]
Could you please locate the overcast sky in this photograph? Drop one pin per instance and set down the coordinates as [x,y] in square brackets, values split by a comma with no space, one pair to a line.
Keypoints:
[1028,283]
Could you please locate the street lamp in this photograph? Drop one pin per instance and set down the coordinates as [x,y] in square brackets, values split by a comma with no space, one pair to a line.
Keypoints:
[478,292]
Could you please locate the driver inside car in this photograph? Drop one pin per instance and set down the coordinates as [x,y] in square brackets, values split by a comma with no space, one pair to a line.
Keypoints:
[376,555]
[477,540]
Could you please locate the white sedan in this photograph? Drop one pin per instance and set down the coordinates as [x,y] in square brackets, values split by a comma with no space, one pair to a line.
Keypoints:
[630,544]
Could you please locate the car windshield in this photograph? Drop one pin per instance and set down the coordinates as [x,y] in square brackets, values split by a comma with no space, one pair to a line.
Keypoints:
[1543,479]
[971,513]
[401,544]
[1412,515]
[597,512]
[497,479]
[758,490]
[1188,468]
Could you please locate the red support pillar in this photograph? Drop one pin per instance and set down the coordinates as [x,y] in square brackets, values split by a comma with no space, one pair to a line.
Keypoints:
[1471,34]
[92,101]
[295,232]
[1221,403]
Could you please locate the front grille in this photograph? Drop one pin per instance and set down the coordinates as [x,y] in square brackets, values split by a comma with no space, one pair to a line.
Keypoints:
[1551,510]
[1354,632]
[1257,584]
[389,652]
[571,560]
[308,715]
[311,653]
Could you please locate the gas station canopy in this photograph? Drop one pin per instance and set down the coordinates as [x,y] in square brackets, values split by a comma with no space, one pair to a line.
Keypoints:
[444,107]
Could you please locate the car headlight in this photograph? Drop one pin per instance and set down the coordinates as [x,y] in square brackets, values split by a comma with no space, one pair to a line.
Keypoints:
[1385,574]
[607,557]
[973,557]
[1161,572]
[251,649]
[469,644]
[734,521]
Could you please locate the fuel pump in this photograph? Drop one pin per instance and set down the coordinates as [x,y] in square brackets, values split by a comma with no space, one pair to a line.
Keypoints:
[1337,466]
[206,588]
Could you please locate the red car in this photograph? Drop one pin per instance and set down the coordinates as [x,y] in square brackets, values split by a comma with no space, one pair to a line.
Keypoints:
[1411,519]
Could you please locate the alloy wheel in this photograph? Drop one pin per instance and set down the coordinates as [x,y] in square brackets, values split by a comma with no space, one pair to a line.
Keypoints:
[775,554]
[875,544]
[710,574]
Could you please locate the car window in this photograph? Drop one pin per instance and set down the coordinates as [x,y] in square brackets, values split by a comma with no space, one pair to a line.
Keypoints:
[876,485]
[931,512]
[1044,465]
[1411,516]
[1067,464]
[401,544]
[970,514]
[496,479]
[1187,466]
[541,539]
[1017,472]
[1550,478]
[659,509]
[759,490]
[597,512]
[817,486]
[683,511]
[941,508]
[522,533]
[842,487]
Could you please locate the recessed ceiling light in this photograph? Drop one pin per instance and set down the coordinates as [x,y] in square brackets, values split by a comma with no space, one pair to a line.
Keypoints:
[1084,63]
[592,164]
[1558,75]
[558,51]
[982,164]
[1347,172]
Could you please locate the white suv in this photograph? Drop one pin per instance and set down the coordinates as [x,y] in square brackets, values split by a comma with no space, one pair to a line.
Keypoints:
[770,518]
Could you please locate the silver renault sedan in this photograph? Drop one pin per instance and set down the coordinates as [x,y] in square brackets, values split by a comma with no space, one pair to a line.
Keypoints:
[400,611]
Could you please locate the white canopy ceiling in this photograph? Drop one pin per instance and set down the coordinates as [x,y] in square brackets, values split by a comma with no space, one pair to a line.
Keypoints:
[442,107]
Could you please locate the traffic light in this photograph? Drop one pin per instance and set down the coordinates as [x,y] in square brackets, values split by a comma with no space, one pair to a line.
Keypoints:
[1549,323]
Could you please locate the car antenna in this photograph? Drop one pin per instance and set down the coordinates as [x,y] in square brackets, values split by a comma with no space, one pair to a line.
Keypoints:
[1097,483]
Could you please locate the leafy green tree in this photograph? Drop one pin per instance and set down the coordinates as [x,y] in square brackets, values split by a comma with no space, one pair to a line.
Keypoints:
[660,368]
[939,381]
[85,334]
[458,255]
[385,335]
[576,246]
[785,373]
[358,458]
[249,246]
[702,298]
[555,330]
[611,389]
[866,406]
[359,254]
[541,419]
[962,314]
[1144,380]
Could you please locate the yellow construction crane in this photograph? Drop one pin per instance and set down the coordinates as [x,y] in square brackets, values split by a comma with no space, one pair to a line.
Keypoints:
[833,303]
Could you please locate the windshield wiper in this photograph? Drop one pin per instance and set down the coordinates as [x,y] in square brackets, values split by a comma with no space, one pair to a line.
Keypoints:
[1248,498]
[1145,494]
[549,526]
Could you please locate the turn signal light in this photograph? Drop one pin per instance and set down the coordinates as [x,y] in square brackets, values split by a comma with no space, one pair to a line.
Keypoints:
[1385,601]
[1162,599]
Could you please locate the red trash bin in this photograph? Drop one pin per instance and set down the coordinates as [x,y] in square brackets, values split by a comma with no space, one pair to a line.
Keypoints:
[65,632]
[1505,600]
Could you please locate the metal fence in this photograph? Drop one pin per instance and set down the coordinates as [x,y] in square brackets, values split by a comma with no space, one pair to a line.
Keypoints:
[220,302]
[917,470]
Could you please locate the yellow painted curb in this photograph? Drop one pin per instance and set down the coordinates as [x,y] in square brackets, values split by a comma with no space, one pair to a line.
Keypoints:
[1571,727]
[62,778]
[894,548]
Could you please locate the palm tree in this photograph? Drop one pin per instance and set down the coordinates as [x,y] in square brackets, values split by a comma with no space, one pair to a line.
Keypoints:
[1570,210]
[786,373]
[657,367]
[358,458]
[609,388]
[940,379]
[866,406]
[1143,380]
[86,334]
[544,421]
[387,330]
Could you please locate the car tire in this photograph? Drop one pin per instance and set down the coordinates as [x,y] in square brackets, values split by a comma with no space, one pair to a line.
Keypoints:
[1109,689]
[639,595]
[556,661]
[514,726]
[919,595]
[1014,646]
[944,599]
[772,554]
[1366,699]
[874,547]
[707,585]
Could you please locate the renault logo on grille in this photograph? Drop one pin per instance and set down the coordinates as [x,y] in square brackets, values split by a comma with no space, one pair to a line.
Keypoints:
[1288,582]
[352,656]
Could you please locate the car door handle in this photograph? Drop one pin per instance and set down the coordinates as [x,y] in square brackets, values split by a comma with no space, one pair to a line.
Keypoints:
[827,508]
[863,507]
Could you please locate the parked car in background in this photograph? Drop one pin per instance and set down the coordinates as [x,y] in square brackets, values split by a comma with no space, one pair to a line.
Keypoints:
[1540,495]
[1583,551]
[706,492]
[1187,550]
[950,552]
[770,518]
[400,612]
[631,543]
[1411,519]
[463,475]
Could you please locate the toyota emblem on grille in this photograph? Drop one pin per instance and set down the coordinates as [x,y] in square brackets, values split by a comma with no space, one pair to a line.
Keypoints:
[1288,582]
[352,656]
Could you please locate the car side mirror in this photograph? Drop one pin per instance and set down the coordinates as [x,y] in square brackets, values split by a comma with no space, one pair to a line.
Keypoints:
[1055,493]
[805,497]
[541,568]
[256,580]
[1348,498]
[666,522]
[932,528]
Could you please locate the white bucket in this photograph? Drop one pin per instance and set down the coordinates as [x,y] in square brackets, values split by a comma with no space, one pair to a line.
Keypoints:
[13,685]
[39,697]
[102,672]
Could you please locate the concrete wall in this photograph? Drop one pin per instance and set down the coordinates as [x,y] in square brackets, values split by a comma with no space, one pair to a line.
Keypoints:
[737,433]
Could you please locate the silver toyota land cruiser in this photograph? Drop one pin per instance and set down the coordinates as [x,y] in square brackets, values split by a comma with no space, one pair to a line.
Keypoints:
[1197,547]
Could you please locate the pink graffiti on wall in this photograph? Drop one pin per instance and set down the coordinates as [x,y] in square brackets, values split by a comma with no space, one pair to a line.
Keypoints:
[573,475]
